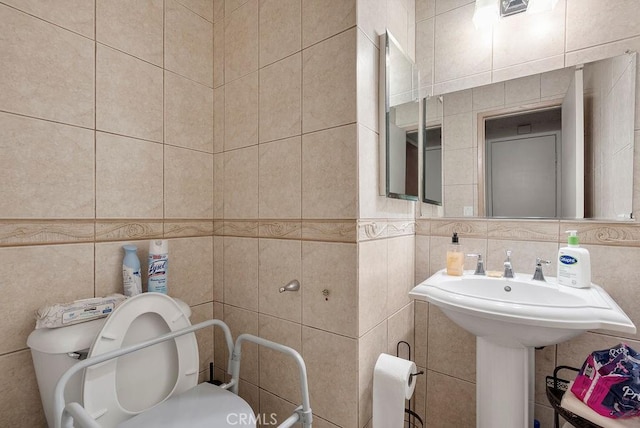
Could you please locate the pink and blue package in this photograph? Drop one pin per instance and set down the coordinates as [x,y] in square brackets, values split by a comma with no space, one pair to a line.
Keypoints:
[609,382]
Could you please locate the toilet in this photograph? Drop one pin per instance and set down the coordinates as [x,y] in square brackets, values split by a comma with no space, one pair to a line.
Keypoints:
[133,390]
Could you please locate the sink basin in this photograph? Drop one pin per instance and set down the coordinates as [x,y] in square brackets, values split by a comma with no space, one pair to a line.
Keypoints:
[520,311]
[509,317]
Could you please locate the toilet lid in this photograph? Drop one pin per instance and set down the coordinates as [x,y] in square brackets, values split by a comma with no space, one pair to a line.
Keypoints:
[119,389]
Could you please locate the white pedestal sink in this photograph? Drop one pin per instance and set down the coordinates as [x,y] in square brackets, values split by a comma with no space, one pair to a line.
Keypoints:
[510,317]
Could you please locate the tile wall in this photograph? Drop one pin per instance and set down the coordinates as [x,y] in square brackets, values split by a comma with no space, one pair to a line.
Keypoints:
[107,131]
[453,56]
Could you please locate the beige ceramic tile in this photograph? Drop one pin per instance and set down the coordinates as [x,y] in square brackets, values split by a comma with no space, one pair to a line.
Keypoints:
[123,166]
[488,97]
[275,410]
[40,232]
[372,18]
[20,405]
[218,120]
[251,394]
[525,230]
[26,288]
[280,262]
[280,26]
[397,23]
[460,49]
[370,203]
[458,166]
[615,277]
[188,109]
[218,268]
[373,278]
[442,6]
[218,10]
[218,186]
[457,197]
[472,228]
[370,346]
[592,22]
[74,15]
[324,18]
[331,267]
[401,328]
[425,9]
[280,95]
[528,68]
[332,368]
[188,43]
[36,158]
[218,54]
[241,272]
[458,131]
[128,95]
[443,392]
[401,272]
[522,90]
[135,28]
[241,112]
[329,82]
[46,71]
[241,41]
[188,183]
[241,183]
[279,179]
[444,336]
[204,336]
[425,45]
[204,8]
[422,258]
[545,362]
[191,269]
[457,102]
[279,373]
[367,87]
[542,33]
[421,324]
[220,350]
[329,174]
[242,321]
[108,272]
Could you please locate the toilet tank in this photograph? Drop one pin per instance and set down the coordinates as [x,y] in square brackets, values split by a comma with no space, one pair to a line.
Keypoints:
[55,350]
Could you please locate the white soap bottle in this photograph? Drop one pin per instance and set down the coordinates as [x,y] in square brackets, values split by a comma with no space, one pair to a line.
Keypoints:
[574,263]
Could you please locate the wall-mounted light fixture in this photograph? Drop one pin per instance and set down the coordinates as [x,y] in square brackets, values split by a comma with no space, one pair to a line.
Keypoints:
[536,6]
[487,12]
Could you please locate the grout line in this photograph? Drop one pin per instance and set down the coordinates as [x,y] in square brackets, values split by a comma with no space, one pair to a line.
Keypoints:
[95,138]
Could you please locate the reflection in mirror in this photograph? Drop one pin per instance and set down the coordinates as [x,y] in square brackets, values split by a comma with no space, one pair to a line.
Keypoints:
[516,149]
[399,153]
[432,152]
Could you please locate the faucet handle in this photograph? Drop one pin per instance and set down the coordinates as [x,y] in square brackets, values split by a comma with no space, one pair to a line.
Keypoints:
[538,275]
[508,252]
[540,262]
[480,265]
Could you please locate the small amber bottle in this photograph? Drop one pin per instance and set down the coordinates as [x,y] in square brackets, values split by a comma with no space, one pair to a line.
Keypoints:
[455,257]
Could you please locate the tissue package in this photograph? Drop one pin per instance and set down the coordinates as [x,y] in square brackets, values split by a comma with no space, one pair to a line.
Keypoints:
[63,314]
[609,382]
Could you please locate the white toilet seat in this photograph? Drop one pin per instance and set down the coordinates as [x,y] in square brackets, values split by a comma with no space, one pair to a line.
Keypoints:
[100,396]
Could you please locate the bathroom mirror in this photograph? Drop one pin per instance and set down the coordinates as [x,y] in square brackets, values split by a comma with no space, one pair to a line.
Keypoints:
[399,122]
[432,150]
[516,149]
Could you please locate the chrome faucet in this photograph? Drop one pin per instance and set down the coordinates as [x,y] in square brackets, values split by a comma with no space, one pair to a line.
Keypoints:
[480,265]
[508,268]
[538,275]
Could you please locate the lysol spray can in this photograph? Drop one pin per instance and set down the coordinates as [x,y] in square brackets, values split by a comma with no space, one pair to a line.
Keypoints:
[158,266]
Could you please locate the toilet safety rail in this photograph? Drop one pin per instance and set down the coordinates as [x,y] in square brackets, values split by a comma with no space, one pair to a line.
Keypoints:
[66,415]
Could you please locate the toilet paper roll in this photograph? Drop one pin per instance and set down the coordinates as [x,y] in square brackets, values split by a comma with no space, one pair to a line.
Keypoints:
[392,385]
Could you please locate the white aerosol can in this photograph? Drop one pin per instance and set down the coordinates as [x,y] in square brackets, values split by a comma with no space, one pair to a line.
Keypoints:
[158,266]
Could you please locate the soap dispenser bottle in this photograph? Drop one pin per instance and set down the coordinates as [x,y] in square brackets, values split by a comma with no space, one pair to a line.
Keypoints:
[455,257]
[574,263]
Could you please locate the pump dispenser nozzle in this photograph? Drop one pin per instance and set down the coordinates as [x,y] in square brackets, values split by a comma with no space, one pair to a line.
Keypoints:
[572,239]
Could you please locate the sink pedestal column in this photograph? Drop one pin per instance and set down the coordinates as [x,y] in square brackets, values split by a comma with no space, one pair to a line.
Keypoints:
[504,385]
